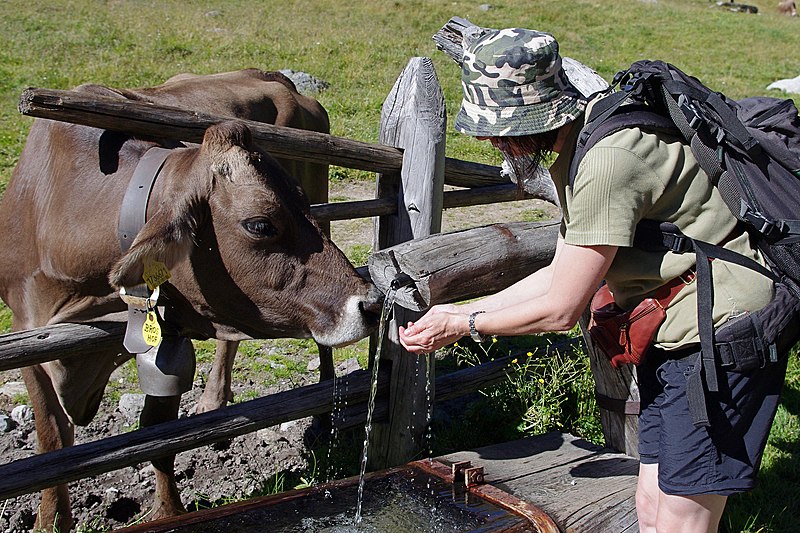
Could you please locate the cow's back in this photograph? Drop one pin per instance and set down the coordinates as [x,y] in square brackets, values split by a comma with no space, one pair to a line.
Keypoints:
[58,219]
[251,94]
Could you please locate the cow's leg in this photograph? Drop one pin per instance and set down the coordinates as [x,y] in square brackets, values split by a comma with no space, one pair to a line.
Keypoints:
[167,500]
[217,392]
[53,431]
[326,370]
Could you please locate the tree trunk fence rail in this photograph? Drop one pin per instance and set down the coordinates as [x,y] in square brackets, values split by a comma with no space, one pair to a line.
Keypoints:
[437,268]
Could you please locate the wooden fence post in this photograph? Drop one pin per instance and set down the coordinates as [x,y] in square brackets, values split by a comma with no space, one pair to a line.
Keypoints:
[617,393]
[413,119]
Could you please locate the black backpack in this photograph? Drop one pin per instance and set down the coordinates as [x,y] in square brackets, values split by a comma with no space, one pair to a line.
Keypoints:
[750,150]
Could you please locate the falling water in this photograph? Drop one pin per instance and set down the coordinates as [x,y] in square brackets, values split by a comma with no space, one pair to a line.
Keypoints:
[388,303]
[337,417]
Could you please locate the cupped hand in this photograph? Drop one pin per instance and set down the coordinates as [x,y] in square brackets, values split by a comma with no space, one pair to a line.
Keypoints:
[440,326]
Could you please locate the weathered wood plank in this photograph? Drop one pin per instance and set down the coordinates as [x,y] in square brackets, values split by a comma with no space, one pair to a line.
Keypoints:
[30,347]
[583,487]
[620,429]
[77,462]
[85,460]
[464,264]
[481,195]
[165,122]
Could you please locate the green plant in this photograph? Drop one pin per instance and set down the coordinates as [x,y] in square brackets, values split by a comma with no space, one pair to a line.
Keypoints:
[545,390]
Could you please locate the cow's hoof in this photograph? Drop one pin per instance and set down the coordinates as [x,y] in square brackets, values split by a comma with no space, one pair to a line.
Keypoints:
[165,510]
[204,405]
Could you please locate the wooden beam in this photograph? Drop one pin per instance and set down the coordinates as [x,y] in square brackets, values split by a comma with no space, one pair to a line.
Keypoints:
[30,347]
[617,390]
[159,122]
[464,264]
[164,122]
[491,194]
[90,459]
[85,460]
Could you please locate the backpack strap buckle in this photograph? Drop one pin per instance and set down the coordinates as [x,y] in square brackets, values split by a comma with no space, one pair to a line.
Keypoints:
[689,111]
[771,229]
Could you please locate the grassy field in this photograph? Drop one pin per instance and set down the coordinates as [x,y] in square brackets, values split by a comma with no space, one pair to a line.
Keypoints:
[360,47]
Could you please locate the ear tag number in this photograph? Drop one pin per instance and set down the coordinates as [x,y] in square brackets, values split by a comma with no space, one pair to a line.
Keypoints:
[151,330]
[155,273]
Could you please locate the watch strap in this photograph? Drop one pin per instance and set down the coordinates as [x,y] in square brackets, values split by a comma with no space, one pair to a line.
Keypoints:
[476,336]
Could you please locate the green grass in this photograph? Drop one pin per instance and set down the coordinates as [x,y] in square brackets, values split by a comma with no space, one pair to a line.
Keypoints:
[360,47]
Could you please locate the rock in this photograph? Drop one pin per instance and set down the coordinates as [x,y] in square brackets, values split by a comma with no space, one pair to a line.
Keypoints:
[305,83]
[286,426]
[791,85]
[485,7]
[347,366]
[13,388]
[131,405]
[22,414]
[313,364]
[6,423]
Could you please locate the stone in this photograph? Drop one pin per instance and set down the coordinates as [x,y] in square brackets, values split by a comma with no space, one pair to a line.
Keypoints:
[306,83]
[22,414]
[6,423]
[131,405]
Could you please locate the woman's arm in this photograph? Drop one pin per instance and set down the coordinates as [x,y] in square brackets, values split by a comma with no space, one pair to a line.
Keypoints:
[549,300]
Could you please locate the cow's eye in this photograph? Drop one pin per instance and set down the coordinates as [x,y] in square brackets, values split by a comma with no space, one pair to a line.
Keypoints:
[260,227]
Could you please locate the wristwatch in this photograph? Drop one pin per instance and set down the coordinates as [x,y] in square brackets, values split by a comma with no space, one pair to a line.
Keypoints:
[477,337]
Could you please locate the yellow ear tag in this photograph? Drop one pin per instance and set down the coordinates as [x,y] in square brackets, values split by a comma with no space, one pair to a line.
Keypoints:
[151,330]
[155,273]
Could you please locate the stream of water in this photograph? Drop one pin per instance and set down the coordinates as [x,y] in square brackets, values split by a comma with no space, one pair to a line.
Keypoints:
[388,304]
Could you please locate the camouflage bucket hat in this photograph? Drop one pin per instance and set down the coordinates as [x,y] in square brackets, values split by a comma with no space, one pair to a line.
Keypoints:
[514,84]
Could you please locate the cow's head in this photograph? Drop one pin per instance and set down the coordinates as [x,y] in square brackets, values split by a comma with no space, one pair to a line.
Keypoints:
[236,234]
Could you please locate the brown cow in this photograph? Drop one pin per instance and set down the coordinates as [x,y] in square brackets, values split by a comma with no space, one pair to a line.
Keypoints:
[246,261]
[264,97]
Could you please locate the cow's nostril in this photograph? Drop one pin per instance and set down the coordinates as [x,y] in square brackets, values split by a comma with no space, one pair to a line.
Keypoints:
[373,303]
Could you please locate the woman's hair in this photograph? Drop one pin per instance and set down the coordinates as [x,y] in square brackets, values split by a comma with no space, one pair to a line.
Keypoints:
[525,152]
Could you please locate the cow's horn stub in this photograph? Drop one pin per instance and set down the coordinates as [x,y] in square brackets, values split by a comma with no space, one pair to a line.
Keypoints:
[219,138]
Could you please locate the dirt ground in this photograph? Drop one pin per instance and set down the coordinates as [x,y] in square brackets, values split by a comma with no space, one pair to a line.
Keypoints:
[231,470]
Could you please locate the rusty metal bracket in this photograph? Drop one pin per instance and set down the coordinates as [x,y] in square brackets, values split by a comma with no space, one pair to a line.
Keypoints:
[458,470]
[473,476]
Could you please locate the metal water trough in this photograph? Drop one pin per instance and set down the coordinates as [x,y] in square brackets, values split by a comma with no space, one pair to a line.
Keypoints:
[459,489]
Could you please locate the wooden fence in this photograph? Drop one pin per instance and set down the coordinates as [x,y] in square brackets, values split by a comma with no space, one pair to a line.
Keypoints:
[412,171]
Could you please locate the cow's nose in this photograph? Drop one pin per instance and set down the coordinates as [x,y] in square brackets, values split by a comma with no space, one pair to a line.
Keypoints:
[372,305]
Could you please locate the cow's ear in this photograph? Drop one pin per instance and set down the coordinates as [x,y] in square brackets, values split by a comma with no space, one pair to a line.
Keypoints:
[167,237]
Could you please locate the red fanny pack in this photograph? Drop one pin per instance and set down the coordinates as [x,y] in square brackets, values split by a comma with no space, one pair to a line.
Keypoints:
[625,336]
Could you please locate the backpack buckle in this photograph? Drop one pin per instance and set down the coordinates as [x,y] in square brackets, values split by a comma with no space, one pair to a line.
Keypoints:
[771,229]
[689,111]
[677,243]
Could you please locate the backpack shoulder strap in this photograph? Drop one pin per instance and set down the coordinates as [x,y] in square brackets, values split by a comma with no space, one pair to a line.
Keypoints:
[610,116]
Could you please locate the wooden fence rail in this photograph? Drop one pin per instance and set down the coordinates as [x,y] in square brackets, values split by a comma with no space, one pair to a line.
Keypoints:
[165,122]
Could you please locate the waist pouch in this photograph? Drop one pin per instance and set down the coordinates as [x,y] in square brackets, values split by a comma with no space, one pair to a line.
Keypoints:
[624,336]
[754,339]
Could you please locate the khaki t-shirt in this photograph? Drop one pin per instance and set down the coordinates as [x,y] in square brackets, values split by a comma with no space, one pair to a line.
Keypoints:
[633,175]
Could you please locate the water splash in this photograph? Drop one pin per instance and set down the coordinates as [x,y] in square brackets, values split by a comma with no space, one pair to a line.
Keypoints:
[388,304]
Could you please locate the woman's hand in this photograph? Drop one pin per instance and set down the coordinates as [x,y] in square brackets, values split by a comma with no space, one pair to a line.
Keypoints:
[440,326]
